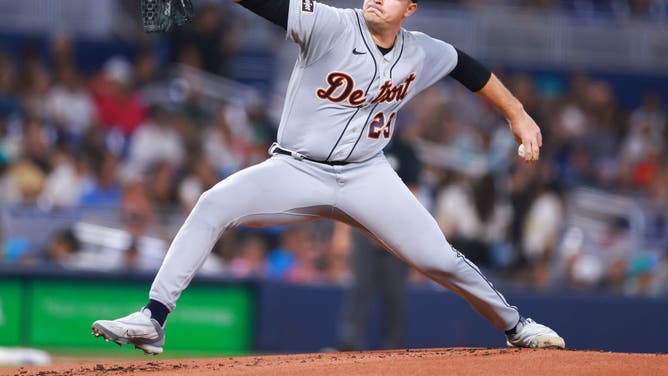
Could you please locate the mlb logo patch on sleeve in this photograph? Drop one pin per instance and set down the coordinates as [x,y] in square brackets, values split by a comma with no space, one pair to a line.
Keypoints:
[307,6]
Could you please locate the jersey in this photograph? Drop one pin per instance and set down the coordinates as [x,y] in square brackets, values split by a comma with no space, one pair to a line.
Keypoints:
[344,94]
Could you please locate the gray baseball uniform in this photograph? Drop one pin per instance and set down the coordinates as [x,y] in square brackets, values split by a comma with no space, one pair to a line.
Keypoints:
[341,107]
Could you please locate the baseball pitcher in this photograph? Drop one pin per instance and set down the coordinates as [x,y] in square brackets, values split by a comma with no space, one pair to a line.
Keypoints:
[355,70]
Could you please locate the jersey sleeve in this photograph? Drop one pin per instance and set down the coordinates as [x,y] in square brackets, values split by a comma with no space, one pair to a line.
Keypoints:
[315,27]
[440,58]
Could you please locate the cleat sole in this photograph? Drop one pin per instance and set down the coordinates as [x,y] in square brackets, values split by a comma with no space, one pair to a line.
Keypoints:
[549,342]
[99,331]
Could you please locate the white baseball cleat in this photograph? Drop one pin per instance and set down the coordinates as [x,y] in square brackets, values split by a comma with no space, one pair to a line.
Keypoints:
[529,333]
[137,329]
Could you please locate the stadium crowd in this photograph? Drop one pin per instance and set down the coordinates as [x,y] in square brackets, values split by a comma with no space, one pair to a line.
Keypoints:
[76,141]
[656,10]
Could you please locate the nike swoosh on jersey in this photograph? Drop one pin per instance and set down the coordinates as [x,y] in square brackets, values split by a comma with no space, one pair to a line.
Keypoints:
[355,52]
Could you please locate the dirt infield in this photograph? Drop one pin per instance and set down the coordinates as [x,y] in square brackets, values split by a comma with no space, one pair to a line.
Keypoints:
[457,361]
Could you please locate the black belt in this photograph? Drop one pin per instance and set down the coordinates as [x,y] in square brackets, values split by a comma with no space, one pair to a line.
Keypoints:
[280,150]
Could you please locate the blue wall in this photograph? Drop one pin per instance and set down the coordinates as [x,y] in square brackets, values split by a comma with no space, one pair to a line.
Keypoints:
[295,318]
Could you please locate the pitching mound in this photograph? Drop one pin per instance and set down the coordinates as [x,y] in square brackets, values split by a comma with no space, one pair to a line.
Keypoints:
[458,361]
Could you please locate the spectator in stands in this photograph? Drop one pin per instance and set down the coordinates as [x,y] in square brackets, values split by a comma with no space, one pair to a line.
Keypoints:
[10,103]
[67,181]
[659,190]
[10,142]
[136,206]
[335,262]
[474,218]
[645,141]
[215,263]
[282,261]
[251,258]
[263,132]
[131,259]
[33,79]
[24,183]
[31,162]
[223,252]
[202,176]
[201,44]
[606,125]
[660,283]
[35,93]
[640,8]
[62,249]
[641,275]
[156,140]
[106,190]
[308,255]
[222,147]
[69,106]
[147,71]
[615,275]
[62,53]
[36,143]
[8,192]
[160,181]
[118,106]
[188,131]
[542,229]
[521,192]
[586,271]
[651,118]
[142,251]
[196,107]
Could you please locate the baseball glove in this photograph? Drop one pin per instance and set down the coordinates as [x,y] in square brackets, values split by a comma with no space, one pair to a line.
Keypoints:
[163,15]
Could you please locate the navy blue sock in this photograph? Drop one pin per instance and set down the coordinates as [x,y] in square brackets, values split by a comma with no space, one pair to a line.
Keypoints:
[158,311]
[514,329]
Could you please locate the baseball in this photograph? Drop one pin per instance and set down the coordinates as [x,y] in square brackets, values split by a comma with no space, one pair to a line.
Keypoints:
[520,151]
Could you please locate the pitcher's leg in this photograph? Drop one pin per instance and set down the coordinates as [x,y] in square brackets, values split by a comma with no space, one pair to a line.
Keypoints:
[379,202]
[272,192]
[280,190]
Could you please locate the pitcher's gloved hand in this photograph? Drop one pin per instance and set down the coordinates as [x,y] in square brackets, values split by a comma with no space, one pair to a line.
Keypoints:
[162,15]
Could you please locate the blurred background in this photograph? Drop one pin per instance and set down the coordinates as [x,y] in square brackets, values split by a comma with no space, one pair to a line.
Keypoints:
[108,136]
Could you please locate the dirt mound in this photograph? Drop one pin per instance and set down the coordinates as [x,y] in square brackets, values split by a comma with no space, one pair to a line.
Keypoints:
[456,361]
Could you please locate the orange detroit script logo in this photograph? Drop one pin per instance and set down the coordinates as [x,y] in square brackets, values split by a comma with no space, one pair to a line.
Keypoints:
[341,87]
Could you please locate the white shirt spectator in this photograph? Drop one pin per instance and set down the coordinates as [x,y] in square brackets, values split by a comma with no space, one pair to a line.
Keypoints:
[154,142]
[216,146]
[543,225]
[64,185]
[456,215]
[73,108]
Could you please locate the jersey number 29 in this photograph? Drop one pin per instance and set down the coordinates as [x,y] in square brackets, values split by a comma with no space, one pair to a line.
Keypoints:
[380,127]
